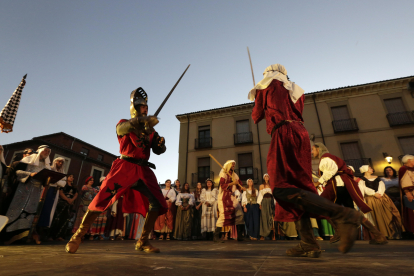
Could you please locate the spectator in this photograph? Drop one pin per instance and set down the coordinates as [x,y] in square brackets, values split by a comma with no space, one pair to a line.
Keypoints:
[197,210]
[209,209]
[98,226]
[67,196]
[114,228]
[267,209]
[392,188]
[177,187]
[185,201]
[252,210]
[385,215]
[406,178]
[165,223]
[19,156]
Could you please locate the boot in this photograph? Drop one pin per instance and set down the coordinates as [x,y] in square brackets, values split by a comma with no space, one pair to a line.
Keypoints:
[347,220]
[143,243]
[216,237]
[240,236]
[308,247]
[379,238]
[336,237]
[73,244]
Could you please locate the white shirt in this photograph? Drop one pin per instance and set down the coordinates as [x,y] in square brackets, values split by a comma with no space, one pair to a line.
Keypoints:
[244,196]
[180,196]
[170,194]
[209,196]
[329,169]
[368,191]
[262,193]
[390,182]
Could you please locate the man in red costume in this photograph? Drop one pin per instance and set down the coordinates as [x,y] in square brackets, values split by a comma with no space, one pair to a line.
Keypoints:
[289,163]
[341,189]
[406,178]
[131,175]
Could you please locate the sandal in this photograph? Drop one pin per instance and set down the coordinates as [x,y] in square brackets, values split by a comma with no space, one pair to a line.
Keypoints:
[161,237]
[168,237]
[262,238]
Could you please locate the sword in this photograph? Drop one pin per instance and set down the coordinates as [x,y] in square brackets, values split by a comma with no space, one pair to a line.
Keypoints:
[169,94]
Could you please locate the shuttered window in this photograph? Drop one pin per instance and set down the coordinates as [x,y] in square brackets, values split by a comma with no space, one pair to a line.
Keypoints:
[394,105]
[203,169]
[407,144]
[242,126]
[351,151]
[340,112]
[245,166]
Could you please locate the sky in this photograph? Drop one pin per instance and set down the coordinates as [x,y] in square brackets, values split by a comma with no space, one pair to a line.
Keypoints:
[83,58]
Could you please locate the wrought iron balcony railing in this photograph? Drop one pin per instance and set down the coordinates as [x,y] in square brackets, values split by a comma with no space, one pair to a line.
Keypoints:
[401,118]
[243,138]
[203,143]
[248,172]
[345,125]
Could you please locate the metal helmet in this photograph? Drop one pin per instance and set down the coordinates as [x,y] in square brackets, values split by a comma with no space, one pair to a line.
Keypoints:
[138,97]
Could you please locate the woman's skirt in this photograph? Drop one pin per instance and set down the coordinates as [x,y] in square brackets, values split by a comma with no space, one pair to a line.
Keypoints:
[208,219]
[165,222]
[267,214]
[252,220]
[183,223]
[196,223]
[98,226]
[385,216]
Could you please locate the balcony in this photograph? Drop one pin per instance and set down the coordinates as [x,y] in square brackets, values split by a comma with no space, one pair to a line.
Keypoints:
[195,178]
[357,163]
[243,138]
[203,143]
[345,125]
[246,173]
[401,118]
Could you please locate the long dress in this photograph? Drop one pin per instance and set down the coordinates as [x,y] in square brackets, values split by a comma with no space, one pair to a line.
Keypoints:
[115,224]
[288,158]
[165,222]
[87,194]
[209,213]
[406,179]
[267,211]
[24,204]
[385,215]
[184,217]
[252,216]
[196,223]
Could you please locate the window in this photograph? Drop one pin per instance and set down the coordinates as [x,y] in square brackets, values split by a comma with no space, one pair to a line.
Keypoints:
[353,157]
[394,105]
[203,171]
[100,157]
[243,134]
[342,121]
[407,144]
[245,166]
[397,114]
[204,139]
[340,112]
[97,173]
[84,151]
[242,126]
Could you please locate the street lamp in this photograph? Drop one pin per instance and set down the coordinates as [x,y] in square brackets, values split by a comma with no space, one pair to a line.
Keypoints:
[387,157]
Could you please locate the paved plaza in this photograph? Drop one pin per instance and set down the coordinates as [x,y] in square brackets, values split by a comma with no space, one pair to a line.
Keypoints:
[201,258]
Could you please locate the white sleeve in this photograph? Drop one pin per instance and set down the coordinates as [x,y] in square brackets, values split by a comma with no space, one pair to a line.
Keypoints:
[244,198]
[381,188]
[329,169]
[172,196]
[364,189]
[178,201]
[203,196]
[214,195]
[260,197]
[113,208]
[191,199]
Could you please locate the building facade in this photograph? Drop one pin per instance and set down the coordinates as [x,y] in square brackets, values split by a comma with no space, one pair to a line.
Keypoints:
[81,159]
[361,124]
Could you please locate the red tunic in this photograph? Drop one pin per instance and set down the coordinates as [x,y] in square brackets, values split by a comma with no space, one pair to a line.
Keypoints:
[351,186]
[123,175]
[289,156]
[407,214]
[229,210]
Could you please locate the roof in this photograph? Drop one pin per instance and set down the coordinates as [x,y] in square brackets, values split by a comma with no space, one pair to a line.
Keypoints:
[309,93]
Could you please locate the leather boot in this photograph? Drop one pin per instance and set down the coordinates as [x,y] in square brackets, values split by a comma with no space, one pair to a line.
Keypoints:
[337,236]
[216,237]
[347,220]
[379,238]
[143,243]
[308,247]
[74,242]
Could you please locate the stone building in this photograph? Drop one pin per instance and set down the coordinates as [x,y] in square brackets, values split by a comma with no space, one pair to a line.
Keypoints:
[361,124]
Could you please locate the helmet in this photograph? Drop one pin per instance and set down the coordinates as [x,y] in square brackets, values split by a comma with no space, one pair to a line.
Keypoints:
[138,97]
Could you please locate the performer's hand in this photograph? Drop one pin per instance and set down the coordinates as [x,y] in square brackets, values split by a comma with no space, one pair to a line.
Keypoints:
[208,204]
[410,196]
[245,209]
[377,195]
[198,207]
[243,189]
[33,174]
[161,141]
[113,214]
[260,207]
[182,208]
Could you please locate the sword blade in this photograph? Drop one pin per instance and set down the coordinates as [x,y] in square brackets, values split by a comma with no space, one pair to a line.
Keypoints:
[169,94]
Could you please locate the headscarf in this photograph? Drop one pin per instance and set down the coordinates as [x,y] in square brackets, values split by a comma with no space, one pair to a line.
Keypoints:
[351,168]
[364,168]
[406,158]
[277,72]
[87,180]
[35,158]
[54,164]
[322,149]
[226,168]
[102,179]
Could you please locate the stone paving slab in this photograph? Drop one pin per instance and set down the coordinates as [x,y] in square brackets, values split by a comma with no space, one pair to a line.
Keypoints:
[201,258]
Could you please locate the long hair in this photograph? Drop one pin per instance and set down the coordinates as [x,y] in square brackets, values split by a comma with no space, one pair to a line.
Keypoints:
[184,190]
[197,191]
[212,184]
[253,189]
[394,175]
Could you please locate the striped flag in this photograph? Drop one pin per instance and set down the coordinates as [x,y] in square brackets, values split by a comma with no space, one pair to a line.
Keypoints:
[9,112]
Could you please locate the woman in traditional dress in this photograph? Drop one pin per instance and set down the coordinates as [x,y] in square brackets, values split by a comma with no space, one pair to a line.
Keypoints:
[114,228]
[384,214]
[251,210]
[184,201]
[165,223]
[209,209]
[392,188]
[267,209]
[197,210]
[98,226]
[87,194]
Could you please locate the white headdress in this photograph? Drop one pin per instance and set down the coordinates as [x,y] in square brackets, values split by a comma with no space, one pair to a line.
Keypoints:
[364,169]
[227,167]
[277,72]
[35,158]
[351,168]
[102,179]
[406,158]
[54,164]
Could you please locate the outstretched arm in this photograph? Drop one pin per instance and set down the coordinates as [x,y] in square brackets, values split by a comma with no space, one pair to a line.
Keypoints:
[158,144]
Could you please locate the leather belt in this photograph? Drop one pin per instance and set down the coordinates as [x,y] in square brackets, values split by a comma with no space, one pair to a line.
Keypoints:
[141,162]
[281,123]
[267,195]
